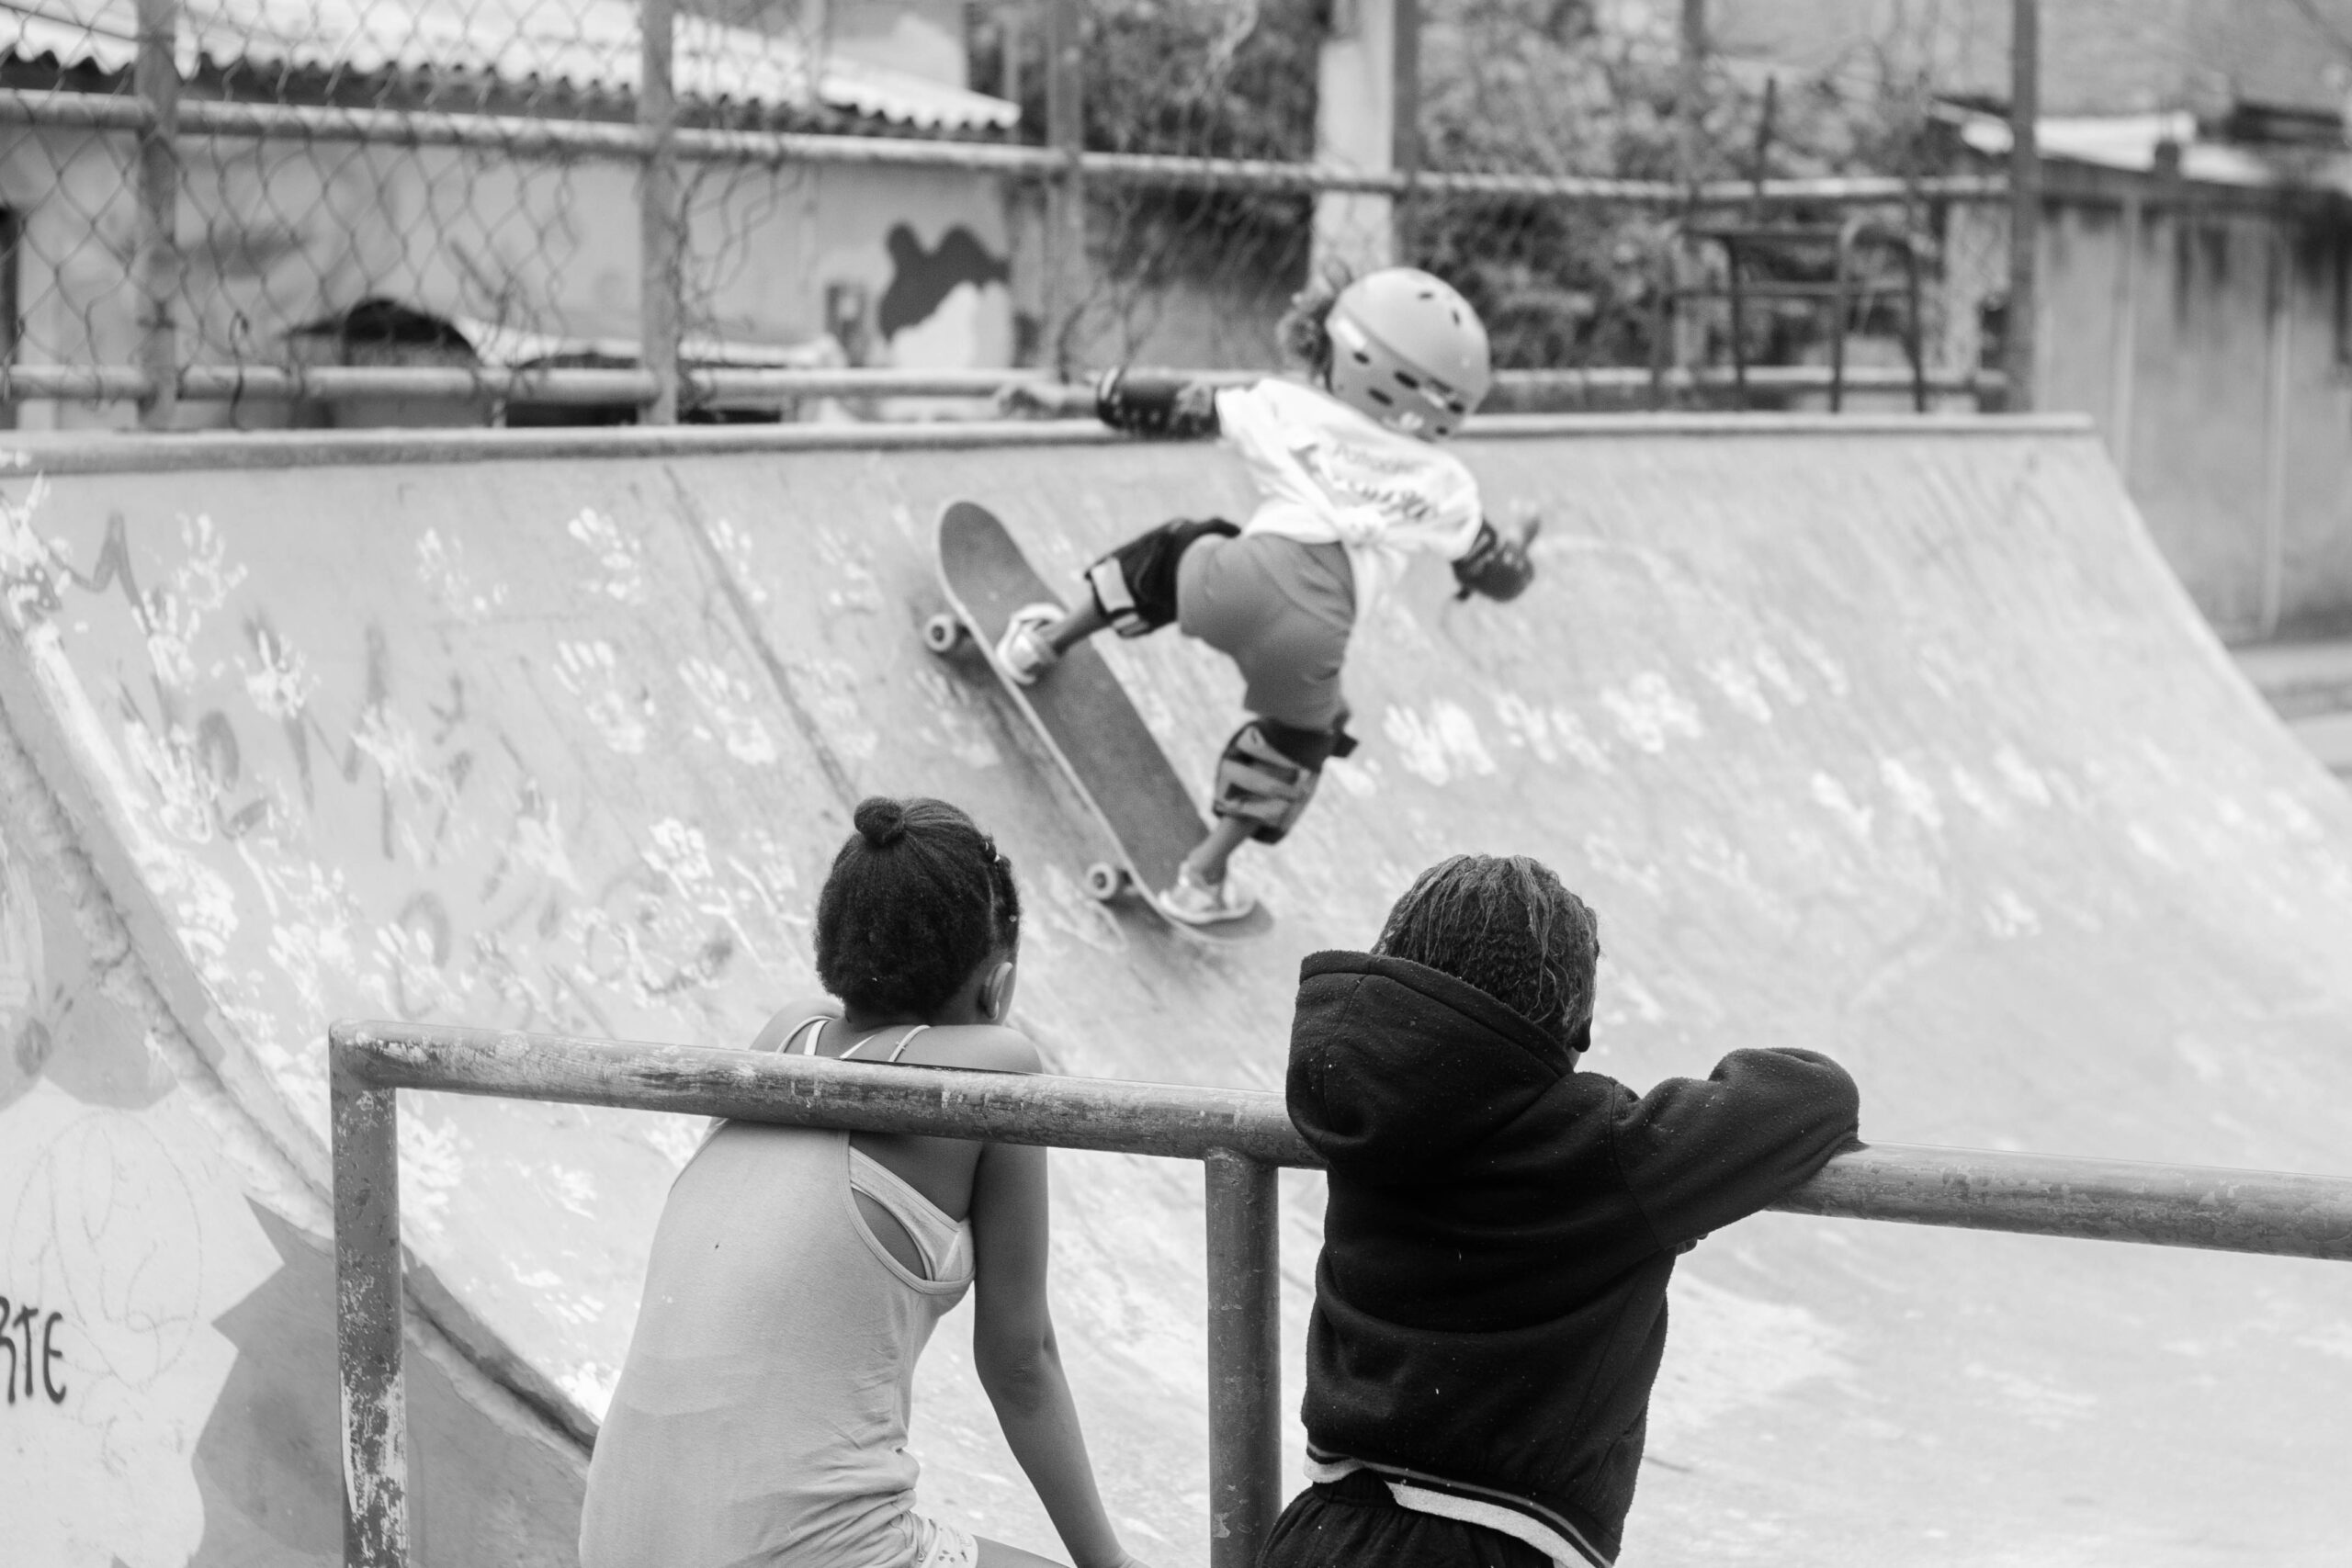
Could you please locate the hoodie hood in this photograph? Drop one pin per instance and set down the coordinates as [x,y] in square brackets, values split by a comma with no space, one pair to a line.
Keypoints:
[1398,1070]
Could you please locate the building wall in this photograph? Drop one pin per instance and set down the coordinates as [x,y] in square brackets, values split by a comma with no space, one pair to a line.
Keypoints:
[2097,56]
[2234,432]
[275,234]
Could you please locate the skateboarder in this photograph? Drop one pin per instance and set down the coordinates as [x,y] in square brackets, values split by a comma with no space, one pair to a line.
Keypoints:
[1349,484]
[797,1273]
[1490,1301]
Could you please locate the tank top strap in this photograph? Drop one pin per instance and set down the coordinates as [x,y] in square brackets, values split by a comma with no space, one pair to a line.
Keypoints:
[808,1046]
[896,1052]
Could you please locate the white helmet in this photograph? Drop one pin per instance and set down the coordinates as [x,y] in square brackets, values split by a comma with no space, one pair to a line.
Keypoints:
[1409,352]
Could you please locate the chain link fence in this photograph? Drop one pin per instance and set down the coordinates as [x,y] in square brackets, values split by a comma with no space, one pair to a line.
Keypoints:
[367,211]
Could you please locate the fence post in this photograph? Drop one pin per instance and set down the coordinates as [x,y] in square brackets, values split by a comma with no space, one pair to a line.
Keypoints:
[2278,412]
[660,277]
[1405,120]
[1689,274]
[1245,1358]
[1066,269]
[2025,201]
[366,1120]
[156,74]
[2123,339]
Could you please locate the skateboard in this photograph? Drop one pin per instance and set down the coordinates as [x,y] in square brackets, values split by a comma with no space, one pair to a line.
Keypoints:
[1081,713]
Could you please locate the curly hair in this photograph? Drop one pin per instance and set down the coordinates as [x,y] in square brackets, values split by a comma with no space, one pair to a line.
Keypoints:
[918,896]
[1304,330]
[1505,924]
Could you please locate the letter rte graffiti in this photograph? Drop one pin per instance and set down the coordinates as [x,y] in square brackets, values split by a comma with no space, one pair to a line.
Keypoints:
[29,1352]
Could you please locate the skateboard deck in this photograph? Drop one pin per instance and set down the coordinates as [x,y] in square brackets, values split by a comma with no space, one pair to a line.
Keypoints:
[1081,713]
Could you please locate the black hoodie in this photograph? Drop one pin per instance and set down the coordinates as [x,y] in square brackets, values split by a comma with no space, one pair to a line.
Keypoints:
[1490,1301]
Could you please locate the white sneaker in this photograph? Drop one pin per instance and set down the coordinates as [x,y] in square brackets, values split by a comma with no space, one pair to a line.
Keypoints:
[1023,652]
[1197,903]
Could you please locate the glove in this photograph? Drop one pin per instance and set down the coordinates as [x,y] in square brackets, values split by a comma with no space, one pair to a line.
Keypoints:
[1497,567]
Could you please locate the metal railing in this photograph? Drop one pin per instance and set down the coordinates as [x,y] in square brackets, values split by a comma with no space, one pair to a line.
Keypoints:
[1241,1137]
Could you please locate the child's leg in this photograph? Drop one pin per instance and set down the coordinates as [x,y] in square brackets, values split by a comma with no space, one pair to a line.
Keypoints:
[1134,587]
[1133,590]
[1081,621]
[1209,857]
[996,1554]
[1265,778]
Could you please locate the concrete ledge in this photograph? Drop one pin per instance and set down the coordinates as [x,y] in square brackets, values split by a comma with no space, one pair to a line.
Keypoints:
[132,452]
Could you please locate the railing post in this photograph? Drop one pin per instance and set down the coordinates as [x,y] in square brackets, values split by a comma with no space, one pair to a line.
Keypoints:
[368,1321]
[1245,1358]
[661,279]
[156,74]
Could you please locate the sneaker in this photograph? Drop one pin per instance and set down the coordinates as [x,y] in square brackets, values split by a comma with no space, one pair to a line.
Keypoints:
[1197,903]
[1023,652]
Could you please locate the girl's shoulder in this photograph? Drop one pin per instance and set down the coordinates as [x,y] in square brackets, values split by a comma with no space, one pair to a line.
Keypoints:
[788,1020]
[981,1048]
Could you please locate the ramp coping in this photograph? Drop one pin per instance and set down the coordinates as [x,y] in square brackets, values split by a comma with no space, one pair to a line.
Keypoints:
[129,452]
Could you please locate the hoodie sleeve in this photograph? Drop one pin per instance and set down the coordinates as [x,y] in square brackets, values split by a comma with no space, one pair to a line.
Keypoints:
[1698,1154]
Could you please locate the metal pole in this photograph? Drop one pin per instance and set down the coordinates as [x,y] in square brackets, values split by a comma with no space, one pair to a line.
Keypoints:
[1065,197]
[2276,410]
[368,1320]
[1690,93]
[1734,275]
[2123,361]
[1245,1358]
[1404,119]
[1839,311]
[1689,328]
[156,75]
[660,279]
[2024,200]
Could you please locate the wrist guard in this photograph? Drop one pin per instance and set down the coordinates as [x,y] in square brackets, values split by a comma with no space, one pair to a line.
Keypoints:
[1156,402]
[1496,567]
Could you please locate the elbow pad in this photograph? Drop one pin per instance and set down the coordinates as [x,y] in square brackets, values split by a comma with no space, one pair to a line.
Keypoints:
[1499,568]
[1156,402]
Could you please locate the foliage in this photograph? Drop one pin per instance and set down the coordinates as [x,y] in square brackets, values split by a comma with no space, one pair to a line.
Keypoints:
[1578,87]
[1590,87]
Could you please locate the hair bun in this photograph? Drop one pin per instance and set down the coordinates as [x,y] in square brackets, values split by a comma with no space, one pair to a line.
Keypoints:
[881,821]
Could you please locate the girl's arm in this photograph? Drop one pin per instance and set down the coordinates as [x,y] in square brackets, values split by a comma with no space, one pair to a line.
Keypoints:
[1019,1365]
[1145,402]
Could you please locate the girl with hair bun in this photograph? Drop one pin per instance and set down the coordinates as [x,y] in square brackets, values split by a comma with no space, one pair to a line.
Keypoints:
[796,1273]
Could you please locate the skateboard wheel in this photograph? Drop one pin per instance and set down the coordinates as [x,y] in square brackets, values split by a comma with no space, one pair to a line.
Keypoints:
[942,633]
[1105,881]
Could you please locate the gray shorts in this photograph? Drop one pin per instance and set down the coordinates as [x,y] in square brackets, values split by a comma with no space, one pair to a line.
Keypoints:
[1281,611]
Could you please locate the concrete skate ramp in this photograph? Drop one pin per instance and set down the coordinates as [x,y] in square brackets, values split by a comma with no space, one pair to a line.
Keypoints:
[1896,742]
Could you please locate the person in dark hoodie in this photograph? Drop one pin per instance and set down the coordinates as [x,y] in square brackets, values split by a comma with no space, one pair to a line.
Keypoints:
[1490,1300]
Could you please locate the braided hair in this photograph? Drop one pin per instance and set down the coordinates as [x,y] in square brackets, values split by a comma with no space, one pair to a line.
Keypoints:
[1505,924]
[917,898]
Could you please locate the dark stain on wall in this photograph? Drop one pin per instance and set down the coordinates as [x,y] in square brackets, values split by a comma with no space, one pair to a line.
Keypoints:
[921,279]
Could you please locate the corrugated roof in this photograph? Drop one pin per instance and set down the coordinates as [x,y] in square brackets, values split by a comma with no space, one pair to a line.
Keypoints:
[2132,142]
[585,45]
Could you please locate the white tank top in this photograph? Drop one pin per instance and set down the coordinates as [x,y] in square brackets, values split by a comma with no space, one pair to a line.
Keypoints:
[760,1416]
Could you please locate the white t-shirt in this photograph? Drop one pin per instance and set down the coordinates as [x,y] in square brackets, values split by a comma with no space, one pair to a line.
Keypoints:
[1326,474]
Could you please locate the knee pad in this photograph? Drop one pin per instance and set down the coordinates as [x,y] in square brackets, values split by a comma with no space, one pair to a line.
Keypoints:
[1135,585]
[1268,772]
